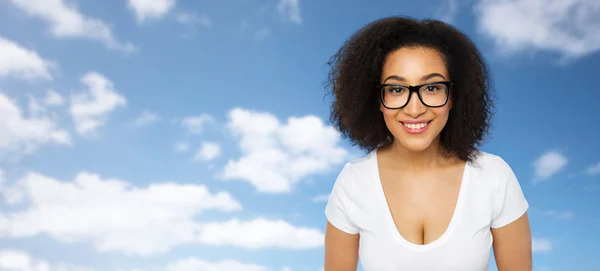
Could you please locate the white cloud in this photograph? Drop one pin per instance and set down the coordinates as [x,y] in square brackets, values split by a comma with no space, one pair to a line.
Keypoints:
[65,21]
[541,245]
[53,98]
[17,260]
[19,62]
[41,108]
[448,10]
[276,155]
[260,233]
[195,124]
[126,218]
[193,264]
[90,109]
[559,214]
[568,28]
[21,133]
[35,108]
[150,9]
[10,194]
[191,19]
[593,169]
[208,151]
[182,147]
[146,118]
[139,220]
[290,10]
[321,198]
[548,164]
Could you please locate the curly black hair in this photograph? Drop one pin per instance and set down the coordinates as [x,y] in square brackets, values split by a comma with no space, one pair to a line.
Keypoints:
[356,71]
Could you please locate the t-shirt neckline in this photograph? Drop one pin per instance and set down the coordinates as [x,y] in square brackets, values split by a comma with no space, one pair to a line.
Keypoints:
[389,221]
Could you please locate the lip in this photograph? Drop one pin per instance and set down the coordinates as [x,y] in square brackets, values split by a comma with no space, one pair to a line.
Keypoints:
[415,131]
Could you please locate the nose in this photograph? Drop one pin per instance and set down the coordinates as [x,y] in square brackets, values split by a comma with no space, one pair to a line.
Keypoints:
[415,107]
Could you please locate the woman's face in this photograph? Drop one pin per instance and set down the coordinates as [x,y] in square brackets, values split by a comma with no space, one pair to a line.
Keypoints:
[416,125]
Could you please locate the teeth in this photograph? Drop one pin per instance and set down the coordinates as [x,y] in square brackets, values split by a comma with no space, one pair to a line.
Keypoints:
[415,126]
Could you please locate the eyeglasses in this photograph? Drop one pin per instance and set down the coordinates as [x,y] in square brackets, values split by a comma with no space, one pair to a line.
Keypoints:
[396,96]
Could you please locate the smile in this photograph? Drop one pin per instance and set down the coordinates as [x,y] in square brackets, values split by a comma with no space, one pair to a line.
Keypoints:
[415,127]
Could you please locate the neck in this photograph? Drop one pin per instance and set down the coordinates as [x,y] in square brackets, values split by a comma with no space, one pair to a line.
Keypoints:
[433,156]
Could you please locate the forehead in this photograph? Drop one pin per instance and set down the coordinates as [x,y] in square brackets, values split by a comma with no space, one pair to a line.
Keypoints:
[414,62]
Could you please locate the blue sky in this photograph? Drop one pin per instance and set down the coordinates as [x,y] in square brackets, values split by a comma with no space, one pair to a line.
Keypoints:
[193,135]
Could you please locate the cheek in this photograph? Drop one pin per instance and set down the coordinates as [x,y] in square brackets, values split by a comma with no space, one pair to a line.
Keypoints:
[389,115]
[442,112]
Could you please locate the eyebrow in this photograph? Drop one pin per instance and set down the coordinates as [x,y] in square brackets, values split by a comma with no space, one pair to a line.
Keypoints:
[424,78]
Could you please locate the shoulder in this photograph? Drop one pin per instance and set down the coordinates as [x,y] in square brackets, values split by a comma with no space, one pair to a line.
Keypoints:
[363,162]
[357,172]
[494,169]
[503,189]
[490,163]
[362,166]
[344,198]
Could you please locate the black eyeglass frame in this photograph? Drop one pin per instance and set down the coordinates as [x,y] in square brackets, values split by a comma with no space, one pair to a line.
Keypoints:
[411,89]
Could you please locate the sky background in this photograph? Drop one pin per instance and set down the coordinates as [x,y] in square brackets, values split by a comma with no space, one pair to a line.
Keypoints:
[193,135]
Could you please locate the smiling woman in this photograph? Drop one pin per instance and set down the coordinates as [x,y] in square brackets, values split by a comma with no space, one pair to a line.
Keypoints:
[415,95]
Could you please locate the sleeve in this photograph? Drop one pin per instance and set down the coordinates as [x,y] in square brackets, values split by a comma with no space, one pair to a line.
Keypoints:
[509,200]
[339,203]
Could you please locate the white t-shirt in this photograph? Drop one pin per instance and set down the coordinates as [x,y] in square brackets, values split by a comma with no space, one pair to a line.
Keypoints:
[490,197]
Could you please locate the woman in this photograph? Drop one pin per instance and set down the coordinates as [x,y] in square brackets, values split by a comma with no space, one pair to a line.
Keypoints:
[415,95]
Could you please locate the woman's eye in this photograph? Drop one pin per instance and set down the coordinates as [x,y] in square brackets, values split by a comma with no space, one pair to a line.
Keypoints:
[397,90]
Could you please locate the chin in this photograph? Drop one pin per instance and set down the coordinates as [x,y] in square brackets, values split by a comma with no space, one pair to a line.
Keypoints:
[414,144]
